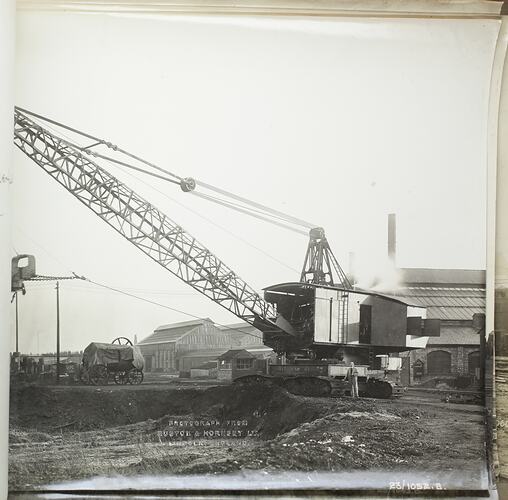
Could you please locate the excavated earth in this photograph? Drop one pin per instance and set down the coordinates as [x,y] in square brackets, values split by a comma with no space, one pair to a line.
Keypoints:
[65,433]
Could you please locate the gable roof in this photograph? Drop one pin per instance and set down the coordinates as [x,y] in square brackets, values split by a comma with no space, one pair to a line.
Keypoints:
[235,353]
[171,333]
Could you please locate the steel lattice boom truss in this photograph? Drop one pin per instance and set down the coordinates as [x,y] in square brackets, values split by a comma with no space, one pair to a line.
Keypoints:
[140,222]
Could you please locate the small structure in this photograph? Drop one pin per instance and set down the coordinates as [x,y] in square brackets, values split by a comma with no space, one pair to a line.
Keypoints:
[236,363]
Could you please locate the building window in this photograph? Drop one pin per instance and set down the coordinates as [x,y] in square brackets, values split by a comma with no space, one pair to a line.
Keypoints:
[244,364]
[439,363]
[225,365]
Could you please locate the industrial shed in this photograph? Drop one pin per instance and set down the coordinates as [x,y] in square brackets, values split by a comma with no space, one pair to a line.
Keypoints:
[165,348]
[453,296]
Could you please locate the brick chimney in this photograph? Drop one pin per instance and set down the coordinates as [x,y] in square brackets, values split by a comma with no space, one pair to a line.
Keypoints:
[392,238]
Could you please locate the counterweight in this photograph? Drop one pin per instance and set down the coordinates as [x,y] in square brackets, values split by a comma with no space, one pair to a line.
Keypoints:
[140,222]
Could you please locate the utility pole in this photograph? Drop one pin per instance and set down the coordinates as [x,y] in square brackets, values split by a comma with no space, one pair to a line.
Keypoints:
[57,332]
[17,327]
[22,273]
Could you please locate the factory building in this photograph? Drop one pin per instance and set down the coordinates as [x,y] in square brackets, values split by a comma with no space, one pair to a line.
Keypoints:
[452,296]
[164,349]
[181,347]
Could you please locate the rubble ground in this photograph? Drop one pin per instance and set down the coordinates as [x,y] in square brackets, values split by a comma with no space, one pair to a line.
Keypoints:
[66,433]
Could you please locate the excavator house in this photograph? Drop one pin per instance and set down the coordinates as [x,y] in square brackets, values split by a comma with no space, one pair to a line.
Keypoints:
[316,326]
[323,327]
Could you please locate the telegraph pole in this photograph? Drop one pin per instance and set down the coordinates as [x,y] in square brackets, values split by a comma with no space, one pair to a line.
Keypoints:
[17,327]
[57,332]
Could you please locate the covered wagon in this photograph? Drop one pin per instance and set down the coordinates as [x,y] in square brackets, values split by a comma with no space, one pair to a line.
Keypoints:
[119,361]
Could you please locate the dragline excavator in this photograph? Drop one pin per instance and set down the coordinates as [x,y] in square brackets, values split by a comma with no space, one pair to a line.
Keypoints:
[316,325]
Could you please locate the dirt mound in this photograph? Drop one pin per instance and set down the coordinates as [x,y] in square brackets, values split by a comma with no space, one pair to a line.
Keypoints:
[268,410]
[76,432]
[88,408]
[346,439]
[271,409]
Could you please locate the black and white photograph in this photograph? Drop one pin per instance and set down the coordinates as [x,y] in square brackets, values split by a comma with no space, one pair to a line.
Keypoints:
[251,252]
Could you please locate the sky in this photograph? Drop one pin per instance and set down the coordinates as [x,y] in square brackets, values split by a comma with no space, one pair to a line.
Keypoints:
[339,122]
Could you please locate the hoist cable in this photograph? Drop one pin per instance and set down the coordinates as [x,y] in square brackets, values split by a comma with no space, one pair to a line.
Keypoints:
[263,211]
[128,165]
[98,141]
[245,211]
[248,209]
[287,217]
[70,143]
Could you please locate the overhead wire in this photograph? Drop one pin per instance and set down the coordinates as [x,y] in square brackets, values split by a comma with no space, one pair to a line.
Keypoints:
[164,306]
[44,284]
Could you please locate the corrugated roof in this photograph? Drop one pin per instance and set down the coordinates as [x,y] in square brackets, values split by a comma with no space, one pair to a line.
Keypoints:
[455,335]
[235,353]
[465,277]
[446,303]
[172,333]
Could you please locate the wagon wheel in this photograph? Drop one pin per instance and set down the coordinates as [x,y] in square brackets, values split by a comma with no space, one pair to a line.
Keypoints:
[98,375]
[135,376]
[122,341]
[120,378]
